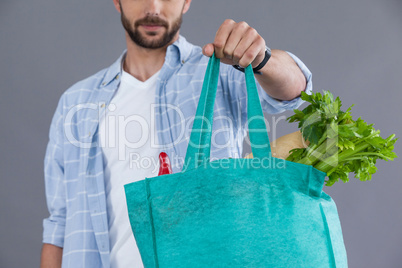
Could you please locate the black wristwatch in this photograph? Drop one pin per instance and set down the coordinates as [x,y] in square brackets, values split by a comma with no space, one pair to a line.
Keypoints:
[257,69]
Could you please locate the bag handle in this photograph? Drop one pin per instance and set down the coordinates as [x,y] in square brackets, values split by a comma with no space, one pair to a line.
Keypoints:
[199,147]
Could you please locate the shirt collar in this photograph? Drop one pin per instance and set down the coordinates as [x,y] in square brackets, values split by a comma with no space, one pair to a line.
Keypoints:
[183,47]
[180,47]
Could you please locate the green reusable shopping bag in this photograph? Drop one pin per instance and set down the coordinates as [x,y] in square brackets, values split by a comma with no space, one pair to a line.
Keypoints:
[258,212]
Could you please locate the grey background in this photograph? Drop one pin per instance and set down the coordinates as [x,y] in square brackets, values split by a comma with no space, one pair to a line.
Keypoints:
[353,48]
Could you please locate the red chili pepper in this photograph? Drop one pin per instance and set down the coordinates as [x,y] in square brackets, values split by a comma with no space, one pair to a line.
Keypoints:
[164,164]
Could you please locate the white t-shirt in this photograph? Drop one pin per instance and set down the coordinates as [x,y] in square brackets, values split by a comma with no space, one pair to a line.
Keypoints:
[125,138]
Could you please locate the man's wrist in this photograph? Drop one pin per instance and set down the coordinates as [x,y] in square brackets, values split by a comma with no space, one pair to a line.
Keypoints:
[257,69]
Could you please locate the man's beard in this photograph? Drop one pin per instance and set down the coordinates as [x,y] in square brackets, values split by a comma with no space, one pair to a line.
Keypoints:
[142,41]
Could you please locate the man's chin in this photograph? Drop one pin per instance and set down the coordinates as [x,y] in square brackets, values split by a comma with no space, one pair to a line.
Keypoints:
[151,42]
[154,44]
[152,39]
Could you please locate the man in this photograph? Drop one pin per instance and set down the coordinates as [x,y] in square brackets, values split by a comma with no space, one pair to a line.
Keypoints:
[91,152]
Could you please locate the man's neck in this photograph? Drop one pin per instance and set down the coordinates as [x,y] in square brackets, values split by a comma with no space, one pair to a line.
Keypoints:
[141,62]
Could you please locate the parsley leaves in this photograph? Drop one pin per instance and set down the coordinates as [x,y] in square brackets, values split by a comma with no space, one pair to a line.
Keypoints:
[338,145]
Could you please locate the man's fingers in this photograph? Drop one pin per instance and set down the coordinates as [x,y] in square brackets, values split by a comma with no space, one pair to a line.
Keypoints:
[249,55]
[250,50]
[236,43]
[222,36]
[234,40]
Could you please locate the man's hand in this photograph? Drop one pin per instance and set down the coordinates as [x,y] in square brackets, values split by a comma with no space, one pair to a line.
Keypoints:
[237,44]
[240,44]
[51,256]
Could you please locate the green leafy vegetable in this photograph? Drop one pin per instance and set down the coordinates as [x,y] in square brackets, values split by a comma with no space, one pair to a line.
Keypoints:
[338,145]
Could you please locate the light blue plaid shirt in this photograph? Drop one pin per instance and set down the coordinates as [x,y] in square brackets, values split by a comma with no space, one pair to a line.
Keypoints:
[74,177]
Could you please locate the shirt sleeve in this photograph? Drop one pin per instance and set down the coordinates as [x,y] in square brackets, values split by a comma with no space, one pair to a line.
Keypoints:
[273,106]
[54,225]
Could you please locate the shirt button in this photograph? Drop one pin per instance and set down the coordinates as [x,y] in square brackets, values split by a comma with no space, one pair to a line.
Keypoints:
[102,105]
[104,83]
[183,61]
[117,76]
[89,134]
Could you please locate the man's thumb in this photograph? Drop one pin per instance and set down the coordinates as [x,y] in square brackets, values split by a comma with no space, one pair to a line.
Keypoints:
[208,50]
